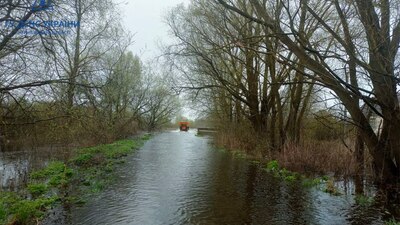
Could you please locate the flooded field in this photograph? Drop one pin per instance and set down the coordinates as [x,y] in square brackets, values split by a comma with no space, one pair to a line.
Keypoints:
[15,165]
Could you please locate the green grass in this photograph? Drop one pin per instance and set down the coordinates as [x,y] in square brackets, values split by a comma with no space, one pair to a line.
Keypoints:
[282,173]
[37,190]
[6,201]
[289,176]
[307,182]
[364,201]
[273,166]
[16,210]
[392,222]
[103,153]
[25,211]
[324,183]
[146,137]
[53,169]
[96,164]
[83,159]
[89,172]
[56,174]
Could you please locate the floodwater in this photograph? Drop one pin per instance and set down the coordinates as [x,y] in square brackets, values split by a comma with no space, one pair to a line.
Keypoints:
[178,178]
[15,165]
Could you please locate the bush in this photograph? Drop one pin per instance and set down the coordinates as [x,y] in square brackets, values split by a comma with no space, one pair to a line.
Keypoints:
[324,126]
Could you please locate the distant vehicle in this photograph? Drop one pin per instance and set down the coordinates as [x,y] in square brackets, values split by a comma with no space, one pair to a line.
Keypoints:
[184,126]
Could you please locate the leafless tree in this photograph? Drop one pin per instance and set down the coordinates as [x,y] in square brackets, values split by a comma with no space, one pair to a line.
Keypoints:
[366,37]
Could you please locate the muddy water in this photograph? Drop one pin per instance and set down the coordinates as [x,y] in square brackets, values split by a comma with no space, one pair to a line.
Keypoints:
[178,178]
[15,165]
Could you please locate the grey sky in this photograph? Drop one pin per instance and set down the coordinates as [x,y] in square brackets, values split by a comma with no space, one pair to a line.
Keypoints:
[144,18]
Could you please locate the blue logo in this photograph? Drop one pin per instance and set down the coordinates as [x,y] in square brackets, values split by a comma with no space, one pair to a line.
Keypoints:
[37,26]
[41,5]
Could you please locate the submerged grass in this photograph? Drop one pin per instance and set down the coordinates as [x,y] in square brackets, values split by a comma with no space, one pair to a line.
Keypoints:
[392,222]
[289,176]
[325,183]
[291,159]
[364,201]
[87,173]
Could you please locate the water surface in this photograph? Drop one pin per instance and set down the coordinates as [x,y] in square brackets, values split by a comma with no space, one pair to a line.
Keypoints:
[15,165]
[178,178]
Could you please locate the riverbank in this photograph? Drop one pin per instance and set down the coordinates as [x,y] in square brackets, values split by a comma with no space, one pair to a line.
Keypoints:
[66,183]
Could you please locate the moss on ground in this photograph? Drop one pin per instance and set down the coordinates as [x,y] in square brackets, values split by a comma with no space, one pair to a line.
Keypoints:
[90,171]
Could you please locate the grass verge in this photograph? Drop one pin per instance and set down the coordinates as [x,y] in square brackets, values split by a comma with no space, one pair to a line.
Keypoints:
[65,183]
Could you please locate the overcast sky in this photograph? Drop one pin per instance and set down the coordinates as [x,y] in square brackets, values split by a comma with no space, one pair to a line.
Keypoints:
[144,18]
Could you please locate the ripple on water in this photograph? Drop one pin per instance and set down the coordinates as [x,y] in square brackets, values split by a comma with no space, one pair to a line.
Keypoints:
[176,178]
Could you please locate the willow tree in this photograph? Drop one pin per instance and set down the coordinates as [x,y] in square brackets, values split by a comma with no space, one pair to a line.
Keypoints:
[76,53]
[366,36]
[238,59]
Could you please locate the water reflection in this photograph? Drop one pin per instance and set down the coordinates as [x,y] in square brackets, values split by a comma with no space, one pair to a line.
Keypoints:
[16,165]
[177,178]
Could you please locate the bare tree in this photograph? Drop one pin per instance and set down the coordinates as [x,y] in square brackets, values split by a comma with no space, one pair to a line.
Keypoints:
[369,55]
[241,64]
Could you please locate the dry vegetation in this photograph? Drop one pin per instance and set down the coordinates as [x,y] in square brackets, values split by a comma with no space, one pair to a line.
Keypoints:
[311,156]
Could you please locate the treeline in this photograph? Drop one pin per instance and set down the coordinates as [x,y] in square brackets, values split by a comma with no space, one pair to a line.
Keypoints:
[74,84]
[271,72]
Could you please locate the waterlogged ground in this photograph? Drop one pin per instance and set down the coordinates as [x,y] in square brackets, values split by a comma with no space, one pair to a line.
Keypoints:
[178,178]
[16,164]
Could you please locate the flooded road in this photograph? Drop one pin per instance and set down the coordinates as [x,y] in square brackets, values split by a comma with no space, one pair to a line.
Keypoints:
[178,178]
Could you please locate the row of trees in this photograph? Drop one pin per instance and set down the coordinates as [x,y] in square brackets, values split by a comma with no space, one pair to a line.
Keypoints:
[267,62]
[66,74]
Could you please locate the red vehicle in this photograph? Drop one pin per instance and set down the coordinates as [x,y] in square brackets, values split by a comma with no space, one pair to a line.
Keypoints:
[184,126]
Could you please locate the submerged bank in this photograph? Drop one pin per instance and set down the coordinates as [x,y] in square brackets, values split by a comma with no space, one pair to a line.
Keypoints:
[365,195]
[65,183]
